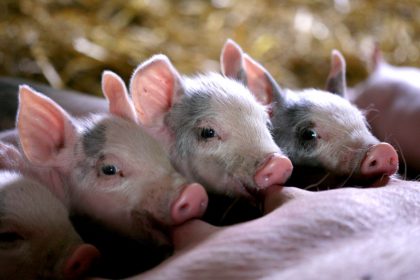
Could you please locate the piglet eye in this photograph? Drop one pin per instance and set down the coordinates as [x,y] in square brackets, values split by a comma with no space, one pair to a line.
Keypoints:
[308,134]
[109,169]
[9,239]
[207,133]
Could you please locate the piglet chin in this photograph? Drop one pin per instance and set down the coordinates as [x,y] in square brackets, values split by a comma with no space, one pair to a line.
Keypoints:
[380,182]
[191,233]
[269,191]
[271,197]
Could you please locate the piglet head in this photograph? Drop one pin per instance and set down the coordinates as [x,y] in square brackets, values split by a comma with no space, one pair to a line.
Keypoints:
[37,240]
[317,129]
[215,130]
[109,169]
[371,159]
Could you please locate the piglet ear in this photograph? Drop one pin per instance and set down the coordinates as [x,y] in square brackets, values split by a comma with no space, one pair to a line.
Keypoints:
[336,81]
[155,86]
[240,66]
[45,129]
[115,91]
[376,59]
[231,61]
[258,80]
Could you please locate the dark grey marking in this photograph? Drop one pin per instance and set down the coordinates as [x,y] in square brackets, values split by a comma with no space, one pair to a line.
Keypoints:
[183,119]
[94,139]
[288,122]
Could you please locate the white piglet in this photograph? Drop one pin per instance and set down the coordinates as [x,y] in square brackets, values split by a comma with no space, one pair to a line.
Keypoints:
[214,129]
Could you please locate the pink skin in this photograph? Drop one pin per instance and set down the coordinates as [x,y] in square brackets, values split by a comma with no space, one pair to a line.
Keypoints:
[80,261]
[340,234]
[275,170]
[380,159]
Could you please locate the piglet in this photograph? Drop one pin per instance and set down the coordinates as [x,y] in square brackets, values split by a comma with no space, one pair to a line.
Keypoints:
[213,128]
[105,168]
[324,135]
[37,240]
[391,98]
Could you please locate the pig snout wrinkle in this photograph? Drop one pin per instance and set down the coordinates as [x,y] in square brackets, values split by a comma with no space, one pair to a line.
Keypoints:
[380,159]
[274,171]
[80,261]
[191,203]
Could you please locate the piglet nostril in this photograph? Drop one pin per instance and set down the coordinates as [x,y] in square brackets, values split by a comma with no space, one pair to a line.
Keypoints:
[372,163]
[184,207]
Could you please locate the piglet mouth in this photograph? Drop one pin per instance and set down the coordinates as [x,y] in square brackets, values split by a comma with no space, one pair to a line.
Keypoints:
[249,192]
[151,228]
[381,181]
[372,181]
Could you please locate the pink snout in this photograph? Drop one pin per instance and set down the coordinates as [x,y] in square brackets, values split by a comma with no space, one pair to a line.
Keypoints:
[191,203]
[80,261]
[380,159]
[274,171]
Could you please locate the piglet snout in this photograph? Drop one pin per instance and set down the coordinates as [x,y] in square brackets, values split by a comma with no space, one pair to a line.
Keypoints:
[80,261]
[274,171]
[380,159]
[191,203]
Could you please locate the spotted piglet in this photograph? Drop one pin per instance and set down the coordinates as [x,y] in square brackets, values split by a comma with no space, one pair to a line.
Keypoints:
[214,129]
[107,169]
[325,136]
